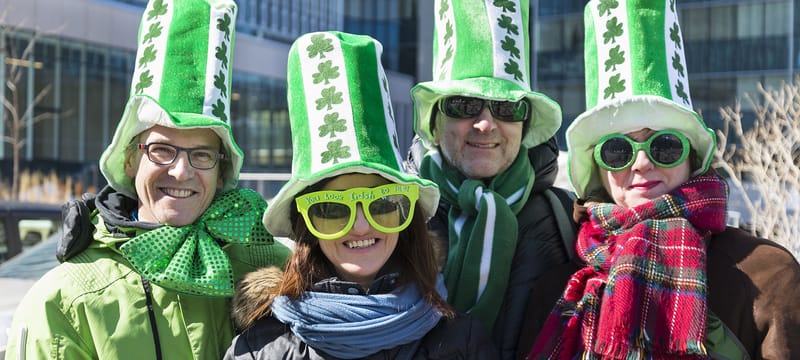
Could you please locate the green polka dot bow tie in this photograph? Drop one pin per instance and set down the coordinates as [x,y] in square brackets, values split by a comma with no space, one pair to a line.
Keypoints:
[189,259]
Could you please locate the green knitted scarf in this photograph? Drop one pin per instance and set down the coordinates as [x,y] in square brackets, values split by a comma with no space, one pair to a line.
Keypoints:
[483,232]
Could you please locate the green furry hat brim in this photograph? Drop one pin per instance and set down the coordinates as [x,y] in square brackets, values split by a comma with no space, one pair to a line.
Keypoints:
[545,115]
[142,113]
[626,115]
[277,219]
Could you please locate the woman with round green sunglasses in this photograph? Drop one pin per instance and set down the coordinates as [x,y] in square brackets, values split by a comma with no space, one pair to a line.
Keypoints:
[660,275]
[665,148]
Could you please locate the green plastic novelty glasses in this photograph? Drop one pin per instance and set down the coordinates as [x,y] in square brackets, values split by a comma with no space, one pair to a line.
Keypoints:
[330,214]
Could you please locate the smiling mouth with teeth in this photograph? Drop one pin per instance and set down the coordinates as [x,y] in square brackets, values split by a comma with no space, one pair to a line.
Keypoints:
[483,146]
[359,244]
[178,193]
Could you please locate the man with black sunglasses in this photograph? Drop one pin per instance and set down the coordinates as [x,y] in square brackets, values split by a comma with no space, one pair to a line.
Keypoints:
[487,140]
[148,263]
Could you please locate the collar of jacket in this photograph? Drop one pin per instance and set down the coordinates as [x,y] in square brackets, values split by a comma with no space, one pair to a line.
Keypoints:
[381,285]
[117,212]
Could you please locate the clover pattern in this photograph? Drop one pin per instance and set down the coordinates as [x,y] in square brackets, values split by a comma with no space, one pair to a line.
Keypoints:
[615,56]
[327,97]
[604,7]
[224,25]
[335,152]
[675,35]
[221,54]
[148,56]
[326,72]
[448,38]
[681,92]
[221,84]
[613,31]
[678,62]
[153,32]
[159,8]
[508,44]
[145,80]
[319,46]
[615,85]
[218,110]
[332,124]
[149,52]
[506,5]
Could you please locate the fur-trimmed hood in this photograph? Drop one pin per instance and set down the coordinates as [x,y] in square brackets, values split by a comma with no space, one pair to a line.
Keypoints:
[254,294]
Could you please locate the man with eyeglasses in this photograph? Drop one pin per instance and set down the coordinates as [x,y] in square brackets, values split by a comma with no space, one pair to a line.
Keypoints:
[488,141]
[149,263]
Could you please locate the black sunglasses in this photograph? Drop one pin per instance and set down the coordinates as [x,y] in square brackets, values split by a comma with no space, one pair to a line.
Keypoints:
[463,107]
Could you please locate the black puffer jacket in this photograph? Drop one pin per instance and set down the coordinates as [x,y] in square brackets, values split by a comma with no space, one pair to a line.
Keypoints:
[458,338]
[540,247]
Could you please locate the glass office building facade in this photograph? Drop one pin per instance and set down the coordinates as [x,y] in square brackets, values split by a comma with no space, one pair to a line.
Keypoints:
[85,67]
[78,86]
[730,47]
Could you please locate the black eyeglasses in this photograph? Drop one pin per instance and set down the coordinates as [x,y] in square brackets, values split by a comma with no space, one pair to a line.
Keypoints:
[666,148]
[164,154]
[463,107]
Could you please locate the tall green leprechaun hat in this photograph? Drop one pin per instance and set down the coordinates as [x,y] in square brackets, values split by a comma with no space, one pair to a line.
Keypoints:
[342,120]
[635,78]
[481,49]
[182,80]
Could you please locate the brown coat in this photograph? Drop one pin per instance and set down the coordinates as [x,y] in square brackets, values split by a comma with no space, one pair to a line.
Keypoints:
[753,287]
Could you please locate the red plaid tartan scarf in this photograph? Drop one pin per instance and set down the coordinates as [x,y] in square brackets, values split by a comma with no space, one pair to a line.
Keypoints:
[643,291]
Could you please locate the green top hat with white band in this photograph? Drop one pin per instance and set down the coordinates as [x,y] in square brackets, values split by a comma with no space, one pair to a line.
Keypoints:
[342,121]
[481,49]
[182,80]
[635,78]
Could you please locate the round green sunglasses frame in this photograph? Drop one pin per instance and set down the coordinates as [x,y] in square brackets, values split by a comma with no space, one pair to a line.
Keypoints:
[645,145]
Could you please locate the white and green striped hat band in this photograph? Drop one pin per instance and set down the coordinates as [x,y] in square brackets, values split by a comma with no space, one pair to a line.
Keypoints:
[342,120]
[182,79]
[481,48]
[636,78]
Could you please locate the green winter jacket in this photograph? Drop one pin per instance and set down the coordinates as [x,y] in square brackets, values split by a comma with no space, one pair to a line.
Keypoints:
[94,306]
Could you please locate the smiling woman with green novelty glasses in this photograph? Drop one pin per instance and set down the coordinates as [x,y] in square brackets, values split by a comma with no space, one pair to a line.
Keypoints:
[363,280]
[329,214]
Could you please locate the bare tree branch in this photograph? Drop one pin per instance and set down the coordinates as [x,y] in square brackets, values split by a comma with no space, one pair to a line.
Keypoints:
[763,167]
